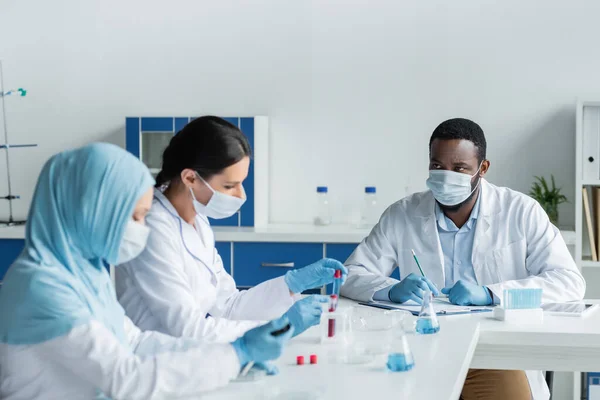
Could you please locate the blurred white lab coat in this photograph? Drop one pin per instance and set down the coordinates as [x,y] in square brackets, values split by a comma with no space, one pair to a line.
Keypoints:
[90,358]
[179,280]
[515,246]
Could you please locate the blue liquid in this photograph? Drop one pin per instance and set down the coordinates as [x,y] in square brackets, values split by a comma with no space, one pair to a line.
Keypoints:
[397,363]
[425,326]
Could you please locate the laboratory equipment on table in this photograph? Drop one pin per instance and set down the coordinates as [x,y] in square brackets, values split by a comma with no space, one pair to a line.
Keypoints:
[577,309]
[313,359]
[20,92]
[400,358]
[373,330]
[300,360]
[369,214]
[335,325]
[520,306]
[333,300]
[337,282]
[427,322]
[323,209]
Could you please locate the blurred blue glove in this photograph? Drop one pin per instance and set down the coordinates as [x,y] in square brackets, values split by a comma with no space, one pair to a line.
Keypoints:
[412,288]
[306,312]
[271,369]
[259,345]
[465,294]
[314,276]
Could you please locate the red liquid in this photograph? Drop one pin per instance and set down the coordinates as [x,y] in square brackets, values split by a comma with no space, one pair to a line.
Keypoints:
[331,331]
[331,322]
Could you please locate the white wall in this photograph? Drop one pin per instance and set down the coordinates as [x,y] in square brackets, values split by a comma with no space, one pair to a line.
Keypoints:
[353,90]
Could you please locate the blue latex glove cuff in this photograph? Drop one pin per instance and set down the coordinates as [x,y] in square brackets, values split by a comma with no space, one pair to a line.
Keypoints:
[293,284]
[240,349]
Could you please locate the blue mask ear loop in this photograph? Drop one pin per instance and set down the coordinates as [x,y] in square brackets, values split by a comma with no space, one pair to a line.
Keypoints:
[213,274]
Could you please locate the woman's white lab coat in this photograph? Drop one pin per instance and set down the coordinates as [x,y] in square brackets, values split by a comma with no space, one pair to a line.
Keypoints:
[178,285]
[515,246]
[90,359]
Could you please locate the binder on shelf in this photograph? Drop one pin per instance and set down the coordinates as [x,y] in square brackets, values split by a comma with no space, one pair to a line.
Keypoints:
[588,221]
[596,212]
[591,143]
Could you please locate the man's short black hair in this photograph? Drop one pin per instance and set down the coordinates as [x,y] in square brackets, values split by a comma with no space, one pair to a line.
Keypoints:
[461,128]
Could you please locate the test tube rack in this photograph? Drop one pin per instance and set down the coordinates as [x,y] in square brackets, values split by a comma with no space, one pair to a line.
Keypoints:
[20,92]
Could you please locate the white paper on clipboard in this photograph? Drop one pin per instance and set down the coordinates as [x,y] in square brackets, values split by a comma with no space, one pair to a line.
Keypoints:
[441,306]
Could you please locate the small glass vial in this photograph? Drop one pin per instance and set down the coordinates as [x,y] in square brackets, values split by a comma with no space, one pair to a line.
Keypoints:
[427,323]
[400,358]
[323,210]
[369,215]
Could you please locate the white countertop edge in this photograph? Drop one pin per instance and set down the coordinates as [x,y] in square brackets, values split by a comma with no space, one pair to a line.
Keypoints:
[293,233]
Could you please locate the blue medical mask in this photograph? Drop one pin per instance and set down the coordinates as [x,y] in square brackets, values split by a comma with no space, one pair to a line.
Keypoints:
[451,188]
[220,205]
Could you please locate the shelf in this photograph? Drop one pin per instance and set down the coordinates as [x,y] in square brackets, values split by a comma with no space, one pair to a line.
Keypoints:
[590,264]
[590,182]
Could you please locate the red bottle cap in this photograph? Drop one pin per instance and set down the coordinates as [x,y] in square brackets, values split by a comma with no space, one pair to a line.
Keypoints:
[300,360]
[313,358]
[333,296]
[338,273]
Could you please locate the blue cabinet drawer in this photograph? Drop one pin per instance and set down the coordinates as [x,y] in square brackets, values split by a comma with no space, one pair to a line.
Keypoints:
[258,262]
[9,251]
[224,250]
[340,252]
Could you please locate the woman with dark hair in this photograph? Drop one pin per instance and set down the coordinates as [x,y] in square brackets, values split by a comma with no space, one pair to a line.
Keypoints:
[63,333]
[178,284]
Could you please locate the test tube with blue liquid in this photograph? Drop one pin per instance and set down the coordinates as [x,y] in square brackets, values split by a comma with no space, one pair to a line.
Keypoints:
[333,301]
[427,322]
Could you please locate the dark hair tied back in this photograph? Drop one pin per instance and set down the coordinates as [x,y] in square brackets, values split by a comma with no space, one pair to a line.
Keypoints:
[207,145]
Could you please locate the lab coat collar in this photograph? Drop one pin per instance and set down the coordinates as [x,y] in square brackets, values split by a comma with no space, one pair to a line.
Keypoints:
[162,199]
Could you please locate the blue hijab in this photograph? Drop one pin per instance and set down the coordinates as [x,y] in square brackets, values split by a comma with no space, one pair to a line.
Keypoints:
[80,207]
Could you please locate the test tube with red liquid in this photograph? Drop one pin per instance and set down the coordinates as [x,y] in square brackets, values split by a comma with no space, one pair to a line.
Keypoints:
[333,301]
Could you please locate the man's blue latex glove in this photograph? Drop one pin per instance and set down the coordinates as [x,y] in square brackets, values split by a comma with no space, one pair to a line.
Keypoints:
[259,345]
[412,288]
[465,294]
[314,276]
[306,312]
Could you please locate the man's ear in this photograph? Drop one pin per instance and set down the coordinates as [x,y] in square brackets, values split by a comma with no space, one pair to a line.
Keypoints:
[485,166]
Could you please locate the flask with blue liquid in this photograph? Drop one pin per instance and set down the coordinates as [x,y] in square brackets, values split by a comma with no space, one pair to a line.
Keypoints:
[427,323]
[400,358]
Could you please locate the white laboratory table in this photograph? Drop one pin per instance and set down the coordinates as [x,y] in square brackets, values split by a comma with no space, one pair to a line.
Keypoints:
[441,360]
[441,365]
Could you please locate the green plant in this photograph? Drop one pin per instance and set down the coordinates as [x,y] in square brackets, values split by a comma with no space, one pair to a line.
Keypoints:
[548,197]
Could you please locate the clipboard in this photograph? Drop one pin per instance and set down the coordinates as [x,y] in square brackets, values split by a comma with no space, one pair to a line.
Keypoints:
[462,311]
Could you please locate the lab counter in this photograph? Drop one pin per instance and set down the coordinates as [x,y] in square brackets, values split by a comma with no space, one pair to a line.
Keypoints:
[442,360]
[293,233]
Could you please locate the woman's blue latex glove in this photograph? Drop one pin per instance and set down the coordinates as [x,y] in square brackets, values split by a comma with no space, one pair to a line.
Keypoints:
[465,294]
[314,275]
[412,288]
[271,369]
[306,312]
[259,345]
